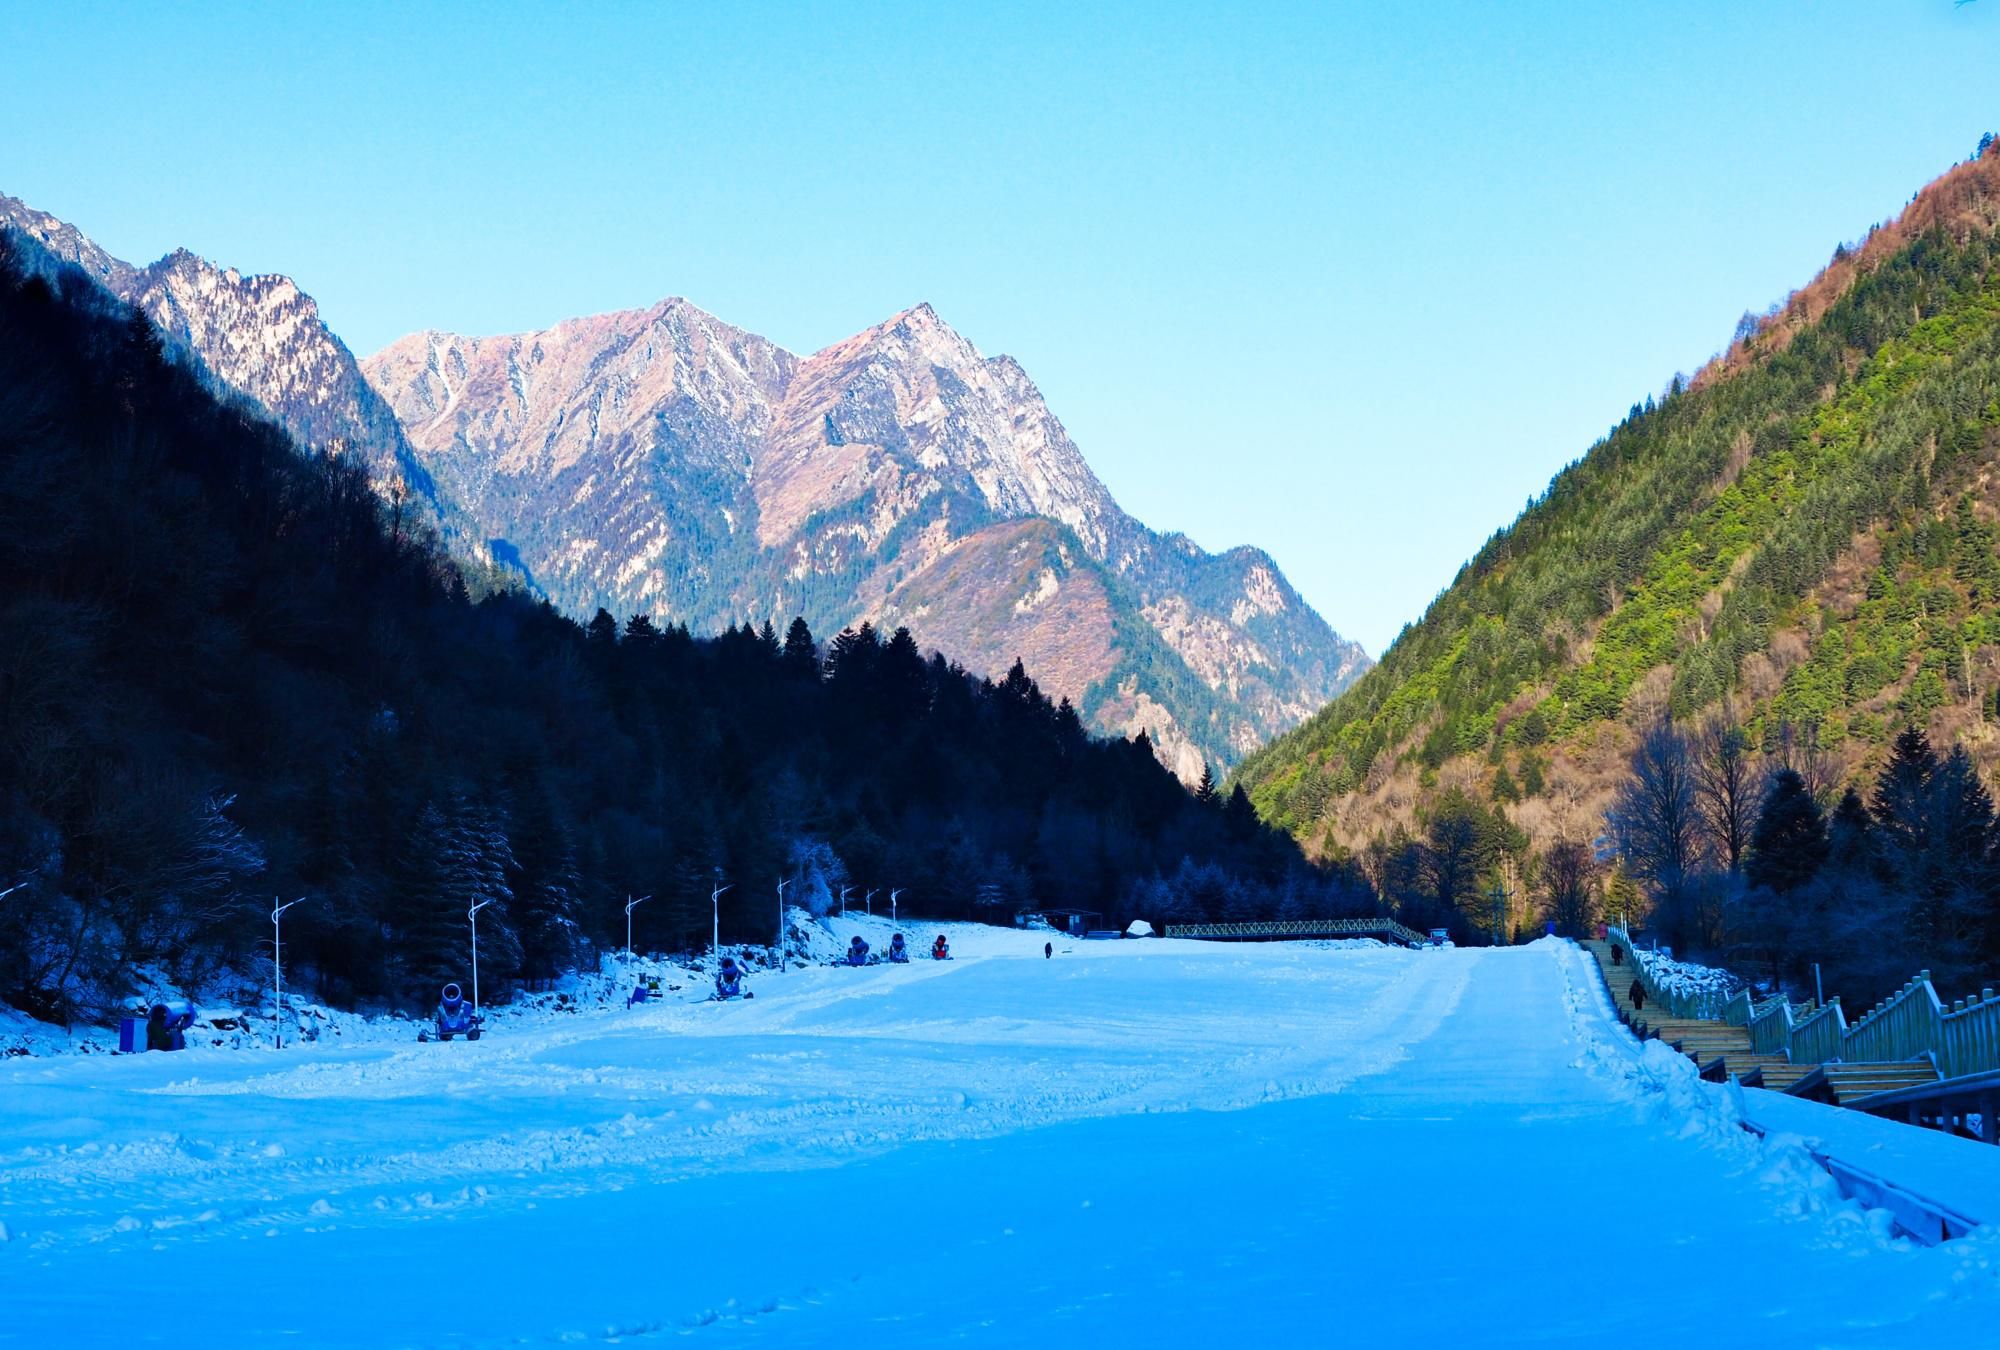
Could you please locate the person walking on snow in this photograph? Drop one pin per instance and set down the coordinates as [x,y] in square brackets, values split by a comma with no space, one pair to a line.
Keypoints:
[1048,950]
[1637,994]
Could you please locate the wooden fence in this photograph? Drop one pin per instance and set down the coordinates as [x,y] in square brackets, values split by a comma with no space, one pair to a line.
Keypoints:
[1911,1023]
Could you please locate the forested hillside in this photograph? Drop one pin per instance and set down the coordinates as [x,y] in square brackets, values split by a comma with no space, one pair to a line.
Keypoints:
[1800,540]
[225,675]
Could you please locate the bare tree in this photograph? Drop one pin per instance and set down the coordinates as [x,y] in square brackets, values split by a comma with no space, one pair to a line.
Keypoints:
[1655,816]
[1728,787]
[1568,887]
[1798,749]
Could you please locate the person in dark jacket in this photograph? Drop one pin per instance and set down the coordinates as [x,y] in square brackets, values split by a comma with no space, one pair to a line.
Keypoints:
[1048,950]
[1637,993]
[1617,955]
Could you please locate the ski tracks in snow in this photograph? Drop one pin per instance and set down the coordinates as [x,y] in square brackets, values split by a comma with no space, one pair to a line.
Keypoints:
[825,1066]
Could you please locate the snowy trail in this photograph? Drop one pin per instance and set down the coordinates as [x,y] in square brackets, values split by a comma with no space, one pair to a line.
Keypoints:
[1139,1139]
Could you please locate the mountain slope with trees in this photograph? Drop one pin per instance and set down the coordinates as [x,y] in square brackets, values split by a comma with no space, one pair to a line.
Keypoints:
[1798,545]
[227,672]
[663,460]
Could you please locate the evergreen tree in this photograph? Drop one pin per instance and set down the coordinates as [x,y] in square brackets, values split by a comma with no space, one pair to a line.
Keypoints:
[801,654]
[602,631]
[1788,844]
[1900,804]
[1204,791]
[1239,816]
[1850,840]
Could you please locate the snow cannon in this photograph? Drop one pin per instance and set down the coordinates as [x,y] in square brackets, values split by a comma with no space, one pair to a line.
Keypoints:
[165,1027]
[857,952]
[940,950]
[897,951]
[729,980]
[455,1016]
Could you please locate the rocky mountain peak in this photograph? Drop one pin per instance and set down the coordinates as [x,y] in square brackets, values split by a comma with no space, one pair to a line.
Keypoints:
[64,243]
[260,338]
[659,460]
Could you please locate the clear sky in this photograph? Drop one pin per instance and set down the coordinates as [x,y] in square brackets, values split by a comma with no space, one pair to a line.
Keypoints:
[1349,282]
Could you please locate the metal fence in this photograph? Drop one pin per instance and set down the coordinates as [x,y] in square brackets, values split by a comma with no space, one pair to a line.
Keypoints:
[1302,928]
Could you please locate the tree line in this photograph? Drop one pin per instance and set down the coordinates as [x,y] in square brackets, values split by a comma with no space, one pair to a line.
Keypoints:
[228,673]
[1777,867]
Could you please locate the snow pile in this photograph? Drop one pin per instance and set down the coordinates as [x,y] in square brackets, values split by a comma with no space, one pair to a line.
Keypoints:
[1669,1094]
[1688,978]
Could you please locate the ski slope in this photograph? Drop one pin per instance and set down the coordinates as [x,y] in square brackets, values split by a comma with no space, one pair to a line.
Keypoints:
[1139,1141]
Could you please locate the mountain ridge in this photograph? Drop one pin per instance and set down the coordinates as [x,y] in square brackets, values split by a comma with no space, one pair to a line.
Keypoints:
[661,460]
[260,337]
[826,483]
[1802,538]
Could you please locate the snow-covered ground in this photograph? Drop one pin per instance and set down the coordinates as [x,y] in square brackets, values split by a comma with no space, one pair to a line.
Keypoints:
[1135,1142]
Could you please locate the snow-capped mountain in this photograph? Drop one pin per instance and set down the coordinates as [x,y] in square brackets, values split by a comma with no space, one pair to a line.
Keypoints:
[662,461]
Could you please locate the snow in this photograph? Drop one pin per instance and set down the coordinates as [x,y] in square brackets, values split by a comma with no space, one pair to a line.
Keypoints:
[1689,977]
[1131,1142]
[1961,1174]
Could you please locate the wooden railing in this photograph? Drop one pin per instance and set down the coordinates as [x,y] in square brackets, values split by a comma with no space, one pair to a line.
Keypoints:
[1911,1023]
[1301,928]
[1705,1004]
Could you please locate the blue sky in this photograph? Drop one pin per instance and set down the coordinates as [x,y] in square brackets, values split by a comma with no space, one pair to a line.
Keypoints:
[1349,282]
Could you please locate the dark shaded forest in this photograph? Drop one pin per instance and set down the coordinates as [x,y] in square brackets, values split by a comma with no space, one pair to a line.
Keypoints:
[1780,870]
[228,672]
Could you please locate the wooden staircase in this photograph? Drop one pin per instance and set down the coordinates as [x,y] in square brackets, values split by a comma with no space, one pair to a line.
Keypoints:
[1853,1084]
[1722,1051]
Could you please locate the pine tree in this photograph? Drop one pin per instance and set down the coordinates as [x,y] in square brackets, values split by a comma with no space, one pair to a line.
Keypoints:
[1850,834]
[1957,880]
[1899,803]
[1204,791]
[1788,844]
[1239,815]
[602,631]
[548,891]
[801,654]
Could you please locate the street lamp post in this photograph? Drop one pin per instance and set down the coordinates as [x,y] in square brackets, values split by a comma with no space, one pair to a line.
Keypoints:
[892,905]
[630,905]
[277,968]
[843,899]
[473,915]
[782,883]
[715,910]
[869,899]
